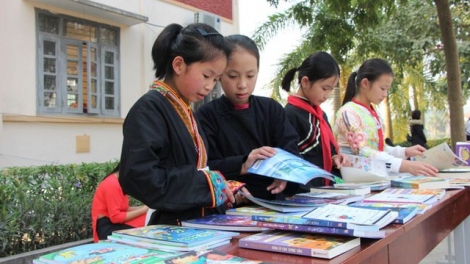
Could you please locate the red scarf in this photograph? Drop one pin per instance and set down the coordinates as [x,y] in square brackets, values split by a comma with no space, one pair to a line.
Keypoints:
[326,134]
[380,131]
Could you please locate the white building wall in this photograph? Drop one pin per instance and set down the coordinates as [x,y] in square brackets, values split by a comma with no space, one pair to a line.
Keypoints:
[25,138]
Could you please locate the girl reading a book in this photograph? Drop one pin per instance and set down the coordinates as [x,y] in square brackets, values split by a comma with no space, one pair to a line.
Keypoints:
[359,128]
[110,209]
[318,75]
[242,128]
[164,152]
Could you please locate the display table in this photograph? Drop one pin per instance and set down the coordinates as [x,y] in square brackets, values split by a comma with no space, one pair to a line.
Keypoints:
[408,243]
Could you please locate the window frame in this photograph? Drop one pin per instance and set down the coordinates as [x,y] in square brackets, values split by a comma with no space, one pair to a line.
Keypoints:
[61,41]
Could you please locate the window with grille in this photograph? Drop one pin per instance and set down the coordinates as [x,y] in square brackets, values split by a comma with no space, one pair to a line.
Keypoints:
[78,62]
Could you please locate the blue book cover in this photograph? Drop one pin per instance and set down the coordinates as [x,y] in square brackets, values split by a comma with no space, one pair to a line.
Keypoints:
[174,235]
[404,214]
[209,256]
[106,253]
[286,166]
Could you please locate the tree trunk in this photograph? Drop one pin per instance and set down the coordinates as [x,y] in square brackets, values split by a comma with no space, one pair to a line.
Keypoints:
[388,120]
[454,87]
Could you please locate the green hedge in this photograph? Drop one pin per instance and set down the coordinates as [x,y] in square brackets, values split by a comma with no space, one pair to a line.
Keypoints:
[47,205]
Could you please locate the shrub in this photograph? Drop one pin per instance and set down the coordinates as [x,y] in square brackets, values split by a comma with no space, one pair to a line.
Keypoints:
[47,205]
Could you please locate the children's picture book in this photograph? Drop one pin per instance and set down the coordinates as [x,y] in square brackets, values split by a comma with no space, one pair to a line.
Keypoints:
[281,206]
[225,222]
[286,166]
[250,210]
[385,197]
[163,247]
[462,150]
[360,190]
[419,182]
[312,245]
[364,170]
[376,234]
[364,219]
[439,193]
[209,256]
[404,213]
[442,157]
[106,253]
[175,235]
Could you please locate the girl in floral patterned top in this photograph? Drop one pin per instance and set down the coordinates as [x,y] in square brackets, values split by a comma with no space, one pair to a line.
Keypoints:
[358,127]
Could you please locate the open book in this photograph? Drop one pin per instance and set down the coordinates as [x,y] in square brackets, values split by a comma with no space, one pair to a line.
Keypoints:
[364,170]
[442,157]
[286,166]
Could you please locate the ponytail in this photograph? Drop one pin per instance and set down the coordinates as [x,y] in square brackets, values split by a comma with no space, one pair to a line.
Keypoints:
[161,50]
[350,88]
[288,77]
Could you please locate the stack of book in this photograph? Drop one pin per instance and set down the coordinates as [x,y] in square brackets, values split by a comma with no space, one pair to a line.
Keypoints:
[335,220]
[391,197]
[312,245]
[240,223]
[172,238]
[420,182]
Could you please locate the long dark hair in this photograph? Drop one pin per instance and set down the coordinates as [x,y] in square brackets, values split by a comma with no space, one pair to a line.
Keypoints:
[317,66]
[371,69]
[416,114]
[195,43]
[241,41]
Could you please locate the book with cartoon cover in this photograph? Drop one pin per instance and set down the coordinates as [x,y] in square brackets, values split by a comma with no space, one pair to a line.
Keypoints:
[286,166]
[106,253]
[174,235]
[442,157]
[312,245]
[209,256]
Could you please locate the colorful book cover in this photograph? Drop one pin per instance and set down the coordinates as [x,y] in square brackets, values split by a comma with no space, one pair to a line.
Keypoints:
[224,222]
[326,197]
[401,198]
[439,193]
[313,245]
[364,170]
[170,248]
[174,235]
[106,253]
[420,182]
[462,150]
[442,157]
[404,213]
[361,190]
[209,256]
[324,230]
[286,166]
[375,219]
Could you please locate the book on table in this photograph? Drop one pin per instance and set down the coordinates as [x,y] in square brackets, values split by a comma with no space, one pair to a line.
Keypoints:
[286,166]
[442,157]
[312,245]
[439,193]
[280,205]
[240,223]
[250,210]
[360,190]
[385,197]
[105,252]
[325,198]
[209,256]
[405,213]
[419,182]
[374,186]
[177,236]
[339,216]
[374,234]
